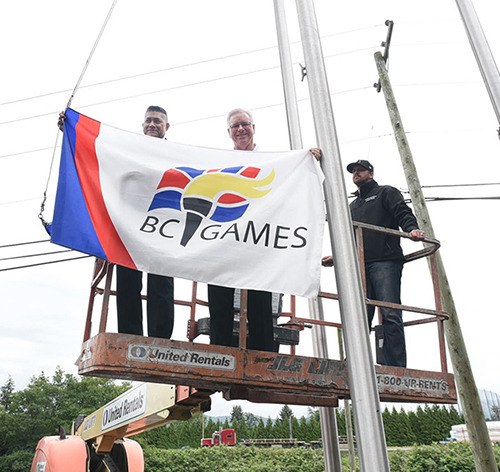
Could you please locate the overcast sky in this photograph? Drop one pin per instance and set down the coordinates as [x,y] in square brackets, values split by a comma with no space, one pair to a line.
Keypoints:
[200,59]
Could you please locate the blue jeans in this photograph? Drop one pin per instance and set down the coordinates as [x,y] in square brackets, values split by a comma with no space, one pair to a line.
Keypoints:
[383,283]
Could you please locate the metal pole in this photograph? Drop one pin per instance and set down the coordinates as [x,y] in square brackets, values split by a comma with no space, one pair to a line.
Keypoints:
[347,414]
[327,416]
[363,386]
[482,52]
[292,111]
[328,419]
[484,457]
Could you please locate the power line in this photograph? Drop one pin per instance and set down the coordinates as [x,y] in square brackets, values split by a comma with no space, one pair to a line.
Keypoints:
[25,243]
[428,199]
[202,82]
[168,89]
[206,61]
[461,185]
[444,199]
[182,66]
[35,255]
[26,152]
[44,263]
[24,200]
[142,74]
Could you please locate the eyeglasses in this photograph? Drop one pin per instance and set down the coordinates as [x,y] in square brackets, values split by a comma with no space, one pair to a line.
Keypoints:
[244,124]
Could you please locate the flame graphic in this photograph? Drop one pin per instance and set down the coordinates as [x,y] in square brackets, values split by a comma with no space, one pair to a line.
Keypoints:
[218,194]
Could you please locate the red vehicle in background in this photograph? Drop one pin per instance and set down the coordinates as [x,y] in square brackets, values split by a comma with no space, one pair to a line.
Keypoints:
[224,436]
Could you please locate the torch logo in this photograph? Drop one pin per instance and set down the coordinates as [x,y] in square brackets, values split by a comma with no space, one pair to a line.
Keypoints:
[217,194]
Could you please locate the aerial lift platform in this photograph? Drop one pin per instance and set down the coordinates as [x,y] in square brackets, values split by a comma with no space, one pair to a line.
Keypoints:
[100,442]
[266,377]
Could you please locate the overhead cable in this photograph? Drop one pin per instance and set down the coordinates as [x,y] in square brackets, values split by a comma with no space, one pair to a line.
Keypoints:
[25,243]
[35,255]
[182,66]
[44,263]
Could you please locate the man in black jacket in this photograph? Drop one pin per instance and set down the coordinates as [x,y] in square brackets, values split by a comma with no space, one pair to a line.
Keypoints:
[383,205]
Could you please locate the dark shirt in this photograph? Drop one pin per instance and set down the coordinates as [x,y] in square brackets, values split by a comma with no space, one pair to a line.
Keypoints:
[382,205]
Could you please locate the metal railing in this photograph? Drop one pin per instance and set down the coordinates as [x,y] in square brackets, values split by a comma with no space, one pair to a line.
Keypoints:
[103,271]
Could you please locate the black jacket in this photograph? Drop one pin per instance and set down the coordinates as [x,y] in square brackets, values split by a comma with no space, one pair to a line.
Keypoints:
[382,205]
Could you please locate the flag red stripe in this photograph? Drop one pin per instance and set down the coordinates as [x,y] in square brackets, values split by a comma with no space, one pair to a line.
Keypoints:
[87,164]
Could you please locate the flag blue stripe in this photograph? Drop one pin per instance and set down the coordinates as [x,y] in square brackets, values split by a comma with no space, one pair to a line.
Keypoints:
[72,226]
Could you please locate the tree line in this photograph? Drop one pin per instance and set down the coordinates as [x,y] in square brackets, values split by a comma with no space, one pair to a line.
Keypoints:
[426,425]
[47,403]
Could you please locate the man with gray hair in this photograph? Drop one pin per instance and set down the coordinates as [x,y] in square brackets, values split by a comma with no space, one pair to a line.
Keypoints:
[241,129]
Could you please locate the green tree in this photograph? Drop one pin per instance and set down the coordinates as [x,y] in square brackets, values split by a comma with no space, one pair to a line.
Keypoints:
[340,414]
[302,429]
[405,436]
[269,430]
[237,416]
[283,424]
[455,417]
[285,413]
[389,420]
[211,426]
[44,405]
[260,430]
[6,392]
[416,420]
[251,420]
[412,419]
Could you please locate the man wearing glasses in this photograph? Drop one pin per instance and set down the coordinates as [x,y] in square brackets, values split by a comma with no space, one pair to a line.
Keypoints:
[241,129]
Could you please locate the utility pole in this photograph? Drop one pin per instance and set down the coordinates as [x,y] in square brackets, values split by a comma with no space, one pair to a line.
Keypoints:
[328,419]
[372,447]
[484,457]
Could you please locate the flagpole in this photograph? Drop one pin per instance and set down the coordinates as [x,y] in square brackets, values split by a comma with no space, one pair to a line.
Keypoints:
[292,111]
[364,393]
[482,52]
[328,418]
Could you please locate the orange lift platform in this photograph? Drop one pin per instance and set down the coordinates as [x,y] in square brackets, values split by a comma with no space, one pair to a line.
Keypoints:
[101,441]
[257,376]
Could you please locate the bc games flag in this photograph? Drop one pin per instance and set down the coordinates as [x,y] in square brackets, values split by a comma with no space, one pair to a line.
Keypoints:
[234,218]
